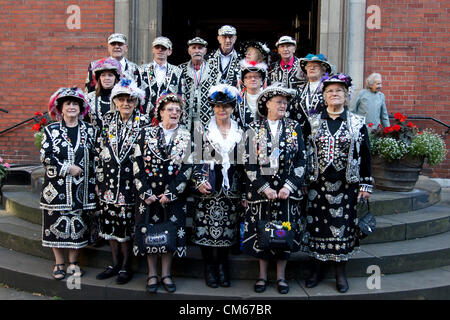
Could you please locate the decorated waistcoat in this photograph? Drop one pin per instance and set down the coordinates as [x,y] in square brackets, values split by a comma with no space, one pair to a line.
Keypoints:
[287,169]
[243,115]
[153,90]
[131,71]
[290,78]
[60,190]
[230,74]
[196,92]
[95,112]
[343,150]
[115,148]
[160,168]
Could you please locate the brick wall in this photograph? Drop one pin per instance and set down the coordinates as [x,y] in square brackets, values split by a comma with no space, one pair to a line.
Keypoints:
[40,54]
[411,52]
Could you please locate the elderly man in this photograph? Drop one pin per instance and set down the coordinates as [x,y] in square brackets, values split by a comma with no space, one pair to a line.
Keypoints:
[159,76]
[117,48]
[371,103]
[286,70]
[225,60]
[197,78]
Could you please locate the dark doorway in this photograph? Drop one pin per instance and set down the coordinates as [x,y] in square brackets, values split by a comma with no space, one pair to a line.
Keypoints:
[253,20]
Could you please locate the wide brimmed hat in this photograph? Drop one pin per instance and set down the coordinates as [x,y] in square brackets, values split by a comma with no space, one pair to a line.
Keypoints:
[224,94]
[341,78]
[253,66]
[276,89]
[320,58]
[62,94]
[165,98]
[162,41]
[262,47]
[227,30]
[117,37]
[197,40]
[127,86]
[109,64]
[285,39]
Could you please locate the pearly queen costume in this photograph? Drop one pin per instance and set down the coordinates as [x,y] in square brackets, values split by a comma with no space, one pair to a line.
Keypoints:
[163,166]
[340,168]
[115,148]
[66,199]
[280,162]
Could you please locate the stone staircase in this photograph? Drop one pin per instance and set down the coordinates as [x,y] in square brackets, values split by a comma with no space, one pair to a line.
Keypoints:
[411,248]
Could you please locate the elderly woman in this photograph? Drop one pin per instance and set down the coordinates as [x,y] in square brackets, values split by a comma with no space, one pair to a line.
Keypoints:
[340,175]
[273,180]
[253,76]
[218,180]
[371,103]
[115,147]
[68,193]
[107,73]
[162,170]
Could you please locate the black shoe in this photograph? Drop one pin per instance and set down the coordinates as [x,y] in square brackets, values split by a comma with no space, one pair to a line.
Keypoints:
[259,288]
[108,273]
[152,288]
[224,278]
[169,287]
[210,276]
[341,278]
[282,289]
[316,276]
[124,276]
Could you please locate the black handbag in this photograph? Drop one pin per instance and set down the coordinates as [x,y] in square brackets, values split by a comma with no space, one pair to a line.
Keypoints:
[156,238]
[273,235]
[366,224]
[93,222]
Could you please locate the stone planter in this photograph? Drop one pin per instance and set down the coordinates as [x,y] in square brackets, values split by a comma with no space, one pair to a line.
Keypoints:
[399,175]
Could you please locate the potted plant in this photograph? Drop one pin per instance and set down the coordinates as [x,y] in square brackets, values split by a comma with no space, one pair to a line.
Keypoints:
[41,121]
[399,151]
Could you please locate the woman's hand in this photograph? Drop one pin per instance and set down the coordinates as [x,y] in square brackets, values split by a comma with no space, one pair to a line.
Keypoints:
[270,194]
[163,199]
[363,195]
[75,171]
[205,188]
[283,193]
[151,199]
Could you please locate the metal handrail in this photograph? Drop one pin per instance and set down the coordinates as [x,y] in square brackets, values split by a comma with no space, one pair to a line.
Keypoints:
[35,118]
[3,110]
[427,118]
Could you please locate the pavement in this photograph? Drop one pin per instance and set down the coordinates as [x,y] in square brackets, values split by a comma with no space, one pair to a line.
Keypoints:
[7,293]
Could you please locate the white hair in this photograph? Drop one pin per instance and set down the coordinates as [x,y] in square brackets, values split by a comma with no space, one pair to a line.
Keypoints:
[371,79]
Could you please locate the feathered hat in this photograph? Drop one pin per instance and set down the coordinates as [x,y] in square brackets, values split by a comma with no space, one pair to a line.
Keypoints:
[224,94]
[276,89]
[320,58]
[342,78]
[261,47]
[165,98]
[109,64]
[253,66]
[127,86]
[62,94]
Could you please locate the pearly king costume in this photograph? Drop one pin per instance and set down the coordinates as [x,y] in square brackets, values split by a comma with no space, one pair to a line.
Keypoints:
[197,84]
[154,85]
[65,199]
[340,168]
[163,165]
[276,159]
[115,147]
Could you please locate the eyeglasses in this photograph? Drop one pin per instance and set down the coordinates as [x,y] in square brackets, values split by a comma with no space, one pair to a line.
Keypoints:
[338,91]
[257,77]
[170,110]
[312,67]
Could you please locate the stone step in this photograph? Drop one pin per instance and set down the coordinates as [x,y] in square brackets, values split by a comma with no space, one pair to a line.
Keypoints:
[33,274]
[393,257]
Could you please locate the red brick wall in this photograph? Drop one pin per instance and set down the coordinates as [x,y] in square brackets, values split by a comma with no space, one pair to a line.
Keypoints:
[40,54]
[411,52]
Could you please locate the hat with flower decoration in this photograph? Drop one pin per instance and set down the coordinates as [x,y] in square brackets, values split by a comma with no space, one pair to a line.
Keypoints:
[108,64]
[276,89]
[127,86]
[165,98]
[342,78]
[253,66]
[63,94]
[224,94]
[319,58]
